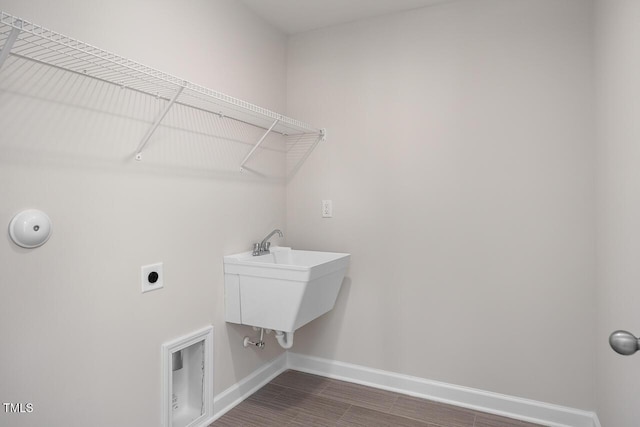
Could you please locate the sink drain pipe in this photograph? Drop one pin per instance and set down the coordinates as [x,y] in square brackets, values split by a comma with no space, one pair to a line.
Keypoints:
[285,339]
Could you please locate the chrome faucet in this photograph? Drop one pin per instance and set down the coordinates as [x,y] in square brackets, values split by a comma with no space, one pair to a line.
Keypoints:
[263,247]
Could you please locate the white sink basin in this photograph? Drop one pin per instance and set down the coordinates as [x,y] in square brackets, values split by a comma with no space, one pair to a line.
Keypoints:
[284,289]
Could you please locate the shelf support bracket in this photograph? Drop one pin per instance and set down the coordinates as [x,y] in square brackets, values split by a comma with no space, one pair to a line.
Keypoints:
[155,125]
[255,147]
[8,45]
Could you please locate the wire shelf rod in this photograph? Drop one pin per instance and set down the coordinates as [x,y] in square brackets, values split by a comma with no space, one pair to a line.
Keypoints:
[79,73]
[75,60]
[321,137]
[153,94]
[65,46]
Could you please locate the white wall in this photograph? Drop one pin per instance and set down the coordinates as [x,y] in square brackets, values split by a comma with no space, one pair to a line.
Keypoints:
[79,340]
[460,160]
[618,80]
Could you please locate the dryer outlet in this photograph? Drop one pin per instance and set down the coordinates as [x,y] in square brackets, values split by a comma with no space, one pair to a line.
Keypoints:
[152,277]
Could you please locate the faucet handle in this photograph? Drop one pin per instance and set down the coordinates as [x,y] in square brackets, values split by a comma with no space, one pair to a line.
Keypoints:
[267,246]
[256,249]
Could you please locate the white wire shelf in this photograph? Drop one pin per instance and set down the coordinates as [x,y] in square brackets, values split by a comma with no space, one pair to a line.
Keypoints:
[23,39]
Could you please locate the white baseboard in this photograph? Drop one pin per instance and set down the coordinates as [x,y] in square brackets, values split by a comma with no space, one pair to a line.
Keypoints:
[513,407]
[494,403]
[238,392]
[208,421]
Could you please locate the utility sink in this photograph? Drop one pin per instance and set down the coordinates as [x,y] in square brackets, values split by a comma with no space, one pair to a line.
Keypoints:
[284,289]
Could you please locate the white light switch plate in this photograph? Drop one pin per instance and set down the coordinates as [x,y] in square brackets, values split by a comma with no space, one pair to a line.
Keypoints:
[152,277]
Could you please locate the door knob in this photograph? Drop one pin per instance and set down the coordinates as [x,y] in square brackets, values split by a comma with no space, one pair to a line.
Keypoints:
[624,342]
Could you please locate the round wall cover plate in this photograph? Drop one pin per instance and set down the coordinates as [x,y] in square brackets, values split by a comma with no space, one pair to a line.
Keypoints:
[30,228]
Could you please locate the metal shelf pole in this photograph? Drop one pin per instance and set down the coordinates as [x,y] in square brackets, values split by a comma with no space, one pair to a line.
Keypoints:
[8,45]
[155,125]
[255,147]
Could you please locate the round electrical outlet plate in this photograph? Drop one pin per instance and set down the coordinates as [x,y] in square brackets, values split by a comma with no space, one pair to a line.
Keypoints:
[30,228]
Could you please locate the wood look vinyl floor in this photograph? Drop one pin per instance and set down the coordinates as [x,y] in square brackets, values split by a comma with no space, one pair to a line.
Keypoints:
[299,400]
